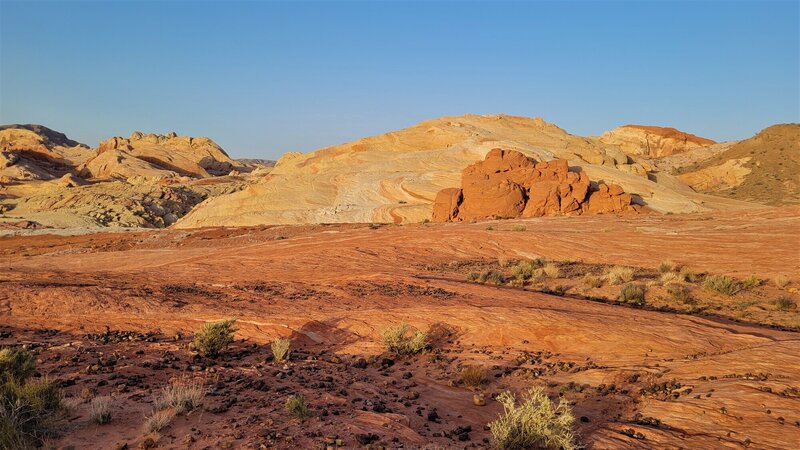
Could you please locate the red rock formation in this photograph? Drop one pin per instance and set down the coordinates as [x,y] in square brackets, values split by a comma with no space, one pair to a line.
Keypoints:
[509,184]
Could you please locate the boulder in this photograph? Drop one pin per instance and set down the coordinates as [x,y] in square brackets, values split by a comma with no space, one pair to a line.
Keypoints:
[445,207]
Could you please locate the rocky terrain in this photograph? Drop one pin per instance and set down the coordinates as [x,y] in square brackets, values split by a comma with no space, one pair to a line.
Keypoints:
[531,302]
[654,142]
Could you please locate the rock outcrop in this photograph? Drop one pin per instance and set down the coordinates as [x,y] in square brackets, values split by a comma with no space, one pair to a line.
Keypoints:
[34,152]
[509,184]
[653,142]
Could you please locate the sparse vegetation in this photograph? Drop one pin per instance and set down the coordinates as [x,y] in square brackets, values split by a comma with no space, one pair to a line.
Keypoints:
[619,274]
[592,281]
[682,294]
[632,293]
[535,423]
[687,275]
[722,283]
[551,270]
[518,228]
[670,277]
[473,276]
[474,376]
[781,281]
[296,406]
[28,408]
[158,420]
[181,395]
[213,338]
[280,349]
[100,409]
[491,277]
[526,269]
[400,340]
[751,282]
[667,266]
[784,303]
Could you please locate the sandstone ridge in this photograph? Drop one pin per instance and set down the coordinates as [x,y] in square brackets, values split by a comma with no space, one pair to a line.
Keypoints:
[652,141]
[509,184]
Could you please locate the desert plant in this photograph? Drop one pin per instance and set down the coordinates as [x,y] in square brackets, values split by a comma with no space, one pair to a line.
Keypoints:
[784,303]
[526,269]
[100,409]
[722,283]
[28,410]
[181,395]
[16,364]
[473,376]
[667,266]
[670,277]
[158,420]
[280,349]
[632,293]
[213,338]
[535,423]
[687,275]
[399,339]
[491,277]
[296,406]
[681,293]
[518,228]
[750,282]
[781,281]
[473,276]
[619,274]
[550,270]
[592,281]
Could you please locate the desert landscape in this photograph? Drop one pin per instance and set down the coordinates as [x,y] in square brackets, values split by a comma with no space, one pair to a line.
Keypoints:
[388,292]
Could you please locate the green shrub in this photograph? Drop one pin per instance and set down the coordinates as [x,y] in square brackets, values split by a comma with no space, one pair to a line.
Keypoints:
[296,406]
[722,283]
[751,282]
[16,364]
[784,303]
[473,376]
[491,277]
[619,274]
[400,340]
[632,293]
[535,423]
[280,349]
[28,410]
[213,338]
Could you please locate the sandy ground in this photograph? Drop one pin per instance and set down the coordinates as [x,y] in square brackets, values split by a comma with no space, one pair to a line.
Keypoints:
[711,383]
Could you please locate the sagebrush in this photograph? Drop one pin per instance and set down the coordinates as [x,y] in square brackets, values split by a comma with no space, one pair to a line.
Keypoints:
[402,341]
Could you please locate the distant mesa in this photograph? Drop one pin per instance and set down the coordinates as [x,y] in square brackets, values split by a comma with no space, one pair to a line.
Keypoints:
[509,184]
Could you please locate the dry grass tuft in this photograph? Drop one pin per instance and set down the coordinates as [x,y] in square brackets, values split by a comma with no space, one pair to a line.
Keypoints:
[632,293]
[182,396]
[400,340]
[159,420]
[781,281]
[722,283]
[785,304]
[100,409]
[592,281]
[667,266]
[280,349]
[535,423]
[296,406]
[551,270]
[474,376]
[518,228]
[619,274]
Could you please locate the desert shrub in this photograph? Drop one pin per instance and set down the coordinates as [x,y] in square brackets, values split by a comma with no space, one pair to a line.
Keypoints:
[784,303]
[681,293]
[667,266]
[491,277]
[551,270]
[280,349]
[670,277]
[517,283]
[181,395]
[473,276]
[592,281]
[213,338]
[619,274]
[722,283]
[751,282]
[526,269]
[632,293]
[296,406]
[502,261]
[535,423]
[687,275]
[16,364]
[158,420]
[28,410]
[518,228]
[100,409]
[400,340]
[473,376]
[781,281]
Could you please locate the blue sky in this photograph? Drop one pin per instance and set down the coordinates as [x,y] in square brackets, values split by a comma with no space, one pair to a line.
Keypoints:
[263,78]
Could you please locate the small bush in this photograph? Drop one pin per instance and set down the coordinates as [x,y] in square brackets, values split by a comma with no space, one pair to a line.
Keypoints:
[491,277]
[632,293]
[667,266]
[296,406]
[182,396]
[687,275]
[781,281]
[213,338]
[474,376]
[619,275]
[592,281]
[28,410]
[682,294]
[400,340]
[158,420]
[100,409]
[536,423]
[670,277]
[280,349]
[551,270]
[784,303]
[525,270]
[16,364]
[518,228]
[751,282]
[722,283]
[473,276]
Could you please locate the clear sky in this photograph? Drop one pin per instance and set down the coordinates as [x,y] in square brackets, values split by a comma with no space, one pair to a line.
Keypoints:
[263,78]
